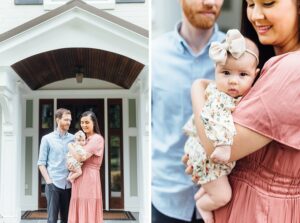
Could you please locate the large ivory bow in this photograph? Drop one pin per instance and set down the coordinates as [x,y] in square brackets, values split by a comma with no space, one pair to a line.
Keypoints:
[235,44]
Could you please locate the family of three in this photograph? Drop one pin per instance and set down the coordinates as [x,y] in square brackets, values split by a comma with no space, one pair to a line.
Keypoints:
[244,123]
[265,181]
[70,166]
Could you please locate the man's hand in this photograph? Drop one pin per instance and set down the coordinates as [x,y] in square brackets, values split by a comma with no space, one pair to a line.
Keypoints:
[45,174]
[49,181]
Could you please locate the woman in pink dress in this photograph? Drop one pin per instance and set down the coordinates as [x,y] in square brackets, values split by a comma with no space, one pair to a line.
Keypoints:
[86,198]
[266,179]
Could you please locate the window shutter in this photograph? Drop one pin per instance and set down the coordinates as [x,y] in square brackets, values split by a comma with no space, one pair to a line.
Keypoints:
[28,2]
[130,1]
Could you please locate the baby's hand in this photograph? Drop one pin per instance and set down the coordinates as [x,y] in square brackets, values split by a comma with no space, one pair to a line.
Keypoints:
[221,154]
[70,167]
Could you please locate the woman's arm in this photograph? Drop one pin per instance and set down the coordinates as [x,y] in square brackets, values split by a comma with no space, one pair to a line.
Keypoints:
[198,100]
[245,141]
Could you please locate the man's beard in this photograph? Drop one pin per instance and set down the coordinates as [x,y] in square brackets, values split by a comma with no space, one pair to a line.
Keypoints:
[199,20]
[65,127]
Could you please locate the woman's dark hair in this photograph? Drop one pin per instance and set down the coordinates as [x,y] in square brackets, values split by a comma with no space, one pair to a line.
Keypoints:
[265,51]
[94,120]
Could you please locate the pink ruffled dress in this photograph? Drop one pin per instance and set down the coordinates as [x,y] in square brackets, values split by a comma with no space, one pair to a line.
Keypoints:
[86,198]
[266,184]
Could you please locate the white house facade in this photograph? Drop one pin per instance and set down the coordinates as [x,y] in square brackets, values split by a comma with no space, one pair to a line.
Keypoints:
[78,56]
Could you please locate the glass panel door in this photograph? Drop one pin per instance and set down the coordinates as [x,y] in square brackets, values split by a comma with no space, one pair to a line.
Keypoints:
[46,120]
[115,156]
[115,167]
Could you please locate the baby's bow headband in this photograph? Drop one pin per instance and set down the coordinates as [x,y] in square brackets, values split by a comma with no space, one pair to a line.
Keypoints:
[234,43]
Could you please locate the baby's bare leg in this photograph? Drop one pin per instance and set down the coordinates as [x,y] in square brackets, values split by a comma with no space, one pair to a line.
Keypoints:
[73,175]
[199,193]
[221,154]
[69,176]
[217,194]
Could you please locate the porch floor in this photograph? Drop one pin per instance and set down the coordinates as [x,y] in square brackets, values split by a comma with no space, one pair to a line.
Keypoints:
[135,214]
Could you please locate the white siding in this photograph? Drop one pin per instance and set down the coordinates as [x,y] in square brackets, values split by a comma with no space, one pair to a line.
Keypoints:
[136,13]
[12,15]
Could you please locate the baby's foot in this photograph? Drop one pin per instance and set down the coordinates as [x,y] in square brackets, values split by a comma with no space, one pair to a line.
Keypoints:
[207,216]
[70,179]
[199,193]
[221,154]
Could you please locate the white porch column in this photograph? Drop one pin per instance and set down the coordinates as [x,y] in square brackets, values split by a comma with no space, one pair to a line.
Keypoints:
[10,210]
[1,217]
[144,176]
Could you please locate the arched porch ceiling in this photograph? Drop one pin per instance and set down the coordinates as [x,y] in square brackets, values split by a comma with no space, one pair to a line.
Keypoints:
[74,25]
[48,67]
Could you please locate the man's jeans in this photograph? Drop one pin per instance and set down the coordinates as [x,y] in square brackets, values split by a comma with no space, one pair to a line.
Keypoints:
[58,200]
[158,217]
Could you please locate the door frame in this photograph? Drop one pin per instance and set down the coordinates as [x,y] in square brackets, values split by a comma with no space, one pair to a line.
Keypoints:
[42,204]
[115,203]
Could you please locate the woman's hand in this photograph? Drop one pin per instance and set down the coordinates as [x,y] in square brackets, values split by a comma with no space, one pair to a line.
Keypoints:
[185,159]
[189,168]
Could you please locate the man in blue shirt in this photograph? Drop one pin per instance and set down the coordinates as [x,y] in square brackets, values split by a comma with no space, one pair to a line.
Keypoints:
[178,58]
[52,164]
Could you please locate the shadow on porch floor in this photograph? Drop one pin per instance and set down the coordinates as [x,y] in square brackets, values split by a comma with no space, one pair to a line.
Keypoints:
[135,214]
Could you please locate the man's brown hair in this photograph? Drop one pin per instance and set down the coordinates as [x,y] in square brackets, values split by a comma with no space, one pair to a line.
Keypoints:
[59,113]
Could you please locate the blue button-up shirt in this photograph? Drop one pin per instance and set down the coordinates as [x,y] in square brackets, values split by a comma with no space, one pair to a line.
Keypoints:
[174,68]
[53,150]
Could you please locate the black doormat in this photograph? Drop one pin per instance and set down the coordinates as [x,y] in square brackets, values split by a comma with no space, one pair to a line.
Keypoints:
[107,215]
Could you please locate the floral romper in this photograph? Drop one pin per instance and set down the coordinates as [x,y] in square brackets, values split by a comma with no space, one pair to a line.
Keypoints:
[219,127]
[71,160]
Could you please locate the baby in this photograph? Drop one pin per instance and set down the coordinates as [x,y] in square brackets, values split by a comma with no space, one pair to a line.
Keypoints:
[76,166]
[236,62]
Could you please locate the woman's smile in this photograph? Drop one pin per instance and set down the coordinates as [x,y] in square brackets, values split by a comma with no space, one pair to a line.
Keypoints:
[262,29]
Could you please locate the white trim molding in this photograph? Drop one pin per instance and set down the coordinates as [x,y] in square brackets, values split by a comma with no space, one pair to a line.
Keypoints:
[100,4]
[74,28]
[5,97]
